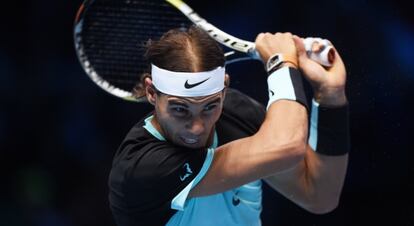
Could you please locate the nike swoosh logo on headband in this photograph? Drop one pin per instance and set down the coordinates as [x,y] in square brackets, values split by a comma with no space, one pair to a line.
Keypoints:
[189,86]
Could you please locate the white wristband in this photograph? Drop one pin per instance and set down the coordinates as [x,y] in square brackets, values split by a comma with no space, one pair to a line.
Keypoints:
[286,83]
[280,86]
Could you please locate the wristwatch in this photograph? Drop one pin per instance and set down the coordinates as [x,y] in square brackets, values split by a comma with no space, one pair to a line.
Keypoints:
[277,60]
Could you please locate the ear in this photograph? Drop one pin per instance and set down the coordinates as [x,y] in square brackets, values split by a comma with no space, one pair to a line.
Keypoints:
[227,80]
[226,85]
[149,91]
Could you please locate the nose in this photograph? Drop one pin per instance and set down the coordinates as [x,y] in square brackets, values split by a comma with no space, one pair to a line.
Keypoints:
[196,126]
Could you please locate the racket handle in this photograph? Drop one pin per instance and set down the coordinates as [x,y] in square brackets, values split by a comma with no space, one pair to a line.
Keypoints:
[325,58]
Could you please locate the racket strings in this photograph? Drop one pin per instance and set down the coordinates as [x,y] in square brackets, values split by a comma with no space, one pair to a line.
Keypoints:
[114,33]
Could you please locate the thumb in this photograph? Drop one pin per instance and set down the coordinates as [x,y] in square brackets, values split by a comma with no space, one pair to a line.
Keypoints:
[300,46]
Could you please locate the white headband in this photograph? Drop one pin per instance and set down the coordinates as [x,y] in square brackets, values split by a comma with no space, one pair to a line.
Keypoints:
[188,84]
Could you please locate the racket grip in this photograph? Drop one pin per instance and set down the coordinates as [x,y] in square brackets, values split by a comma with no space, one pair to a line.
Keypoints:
[325,57]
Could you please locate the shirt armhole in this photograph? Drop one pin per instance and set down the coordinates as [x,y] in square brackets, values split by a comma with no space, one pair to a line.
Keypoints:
[180,200]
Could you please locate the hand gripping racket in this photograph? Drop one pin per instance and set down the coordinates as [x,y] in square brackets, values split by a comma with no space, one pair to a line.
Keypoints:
[109,38]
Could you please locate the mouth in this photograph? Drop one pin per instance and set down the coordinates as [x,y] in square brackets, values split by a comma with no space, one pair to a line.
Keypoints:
[190,141]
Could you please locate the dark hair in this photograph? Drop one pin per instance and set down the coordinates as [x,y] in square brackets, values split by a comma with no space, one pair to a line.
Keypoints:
[191,50]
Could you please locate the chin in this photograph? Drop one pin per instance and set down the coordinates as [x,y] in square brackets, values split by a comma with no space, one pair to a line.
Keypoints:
[193,146]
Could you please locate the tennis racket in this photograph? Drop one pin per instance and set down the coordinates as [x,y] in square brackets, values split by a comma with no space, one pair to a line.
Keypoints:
[110,36]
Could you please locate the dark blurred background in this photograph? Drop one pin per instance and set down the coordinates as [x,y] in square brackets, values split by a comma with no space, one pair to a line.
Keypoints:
[59,131]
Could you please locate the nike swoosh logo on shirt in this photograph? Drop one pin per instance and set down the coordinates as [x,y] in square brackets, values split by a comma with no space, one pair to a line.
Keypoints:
[189,86]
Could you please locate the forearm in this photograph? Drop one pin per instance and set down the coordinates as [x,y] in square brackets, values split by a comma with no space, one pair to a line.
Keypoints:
[285,127]
[280,142]
[284,132]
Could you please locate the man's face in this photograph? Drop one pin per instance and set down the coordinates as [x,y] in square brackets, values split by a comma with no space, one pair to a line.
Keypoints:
[188,122]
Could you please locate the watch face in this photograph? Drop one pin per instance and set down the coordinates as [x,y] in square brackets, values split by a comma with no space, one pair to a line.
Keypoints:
[277,58]
[274,61]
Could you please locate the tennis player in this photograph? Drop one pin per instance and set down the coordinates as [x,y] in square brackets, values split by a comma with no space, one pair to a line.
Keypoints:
[201,156]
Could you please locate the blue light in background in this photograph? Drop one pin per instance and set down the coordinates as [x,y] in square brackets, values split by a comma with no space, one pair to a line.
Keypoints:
[400,39]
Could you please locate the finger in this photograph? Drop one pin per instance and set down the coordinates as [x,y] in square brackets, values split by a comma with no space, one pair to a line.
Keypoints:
[338,65]
[317,47]
[259,37]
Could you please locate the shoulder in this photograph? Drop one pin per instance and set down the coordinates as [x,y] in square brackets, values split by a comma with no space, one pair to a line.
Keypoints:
[242,116]
[235,97]
[241,105]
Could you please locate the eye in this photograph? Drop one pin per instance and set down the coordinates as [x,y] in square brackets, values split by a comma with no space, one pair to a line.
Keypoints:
[180,111]
[210,107]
